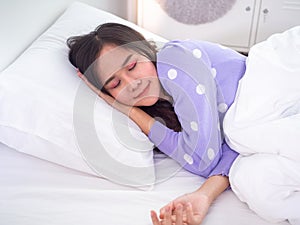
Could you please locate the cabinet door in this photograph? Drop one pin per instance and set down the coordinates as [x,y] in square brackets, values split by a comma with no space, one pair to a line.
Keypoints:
[277,16]
[232,29]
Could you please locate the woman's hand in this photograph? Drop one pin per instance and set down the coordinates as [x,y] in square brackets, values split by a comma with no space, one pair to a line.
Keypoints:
[189,209]
[168,220]
[108,99]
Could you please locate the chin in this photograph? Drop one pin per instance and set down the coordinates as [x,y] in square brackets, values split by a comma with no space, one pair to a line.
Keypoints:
[149,101]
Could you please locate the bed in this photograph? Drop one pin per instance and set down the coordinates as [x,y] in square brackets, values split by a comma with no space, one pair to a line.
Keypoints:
[34,191]
[45,179]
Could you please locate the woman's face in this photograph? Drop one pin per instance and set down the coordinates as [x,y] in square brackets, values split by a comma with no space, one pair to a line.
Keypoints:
[129,77]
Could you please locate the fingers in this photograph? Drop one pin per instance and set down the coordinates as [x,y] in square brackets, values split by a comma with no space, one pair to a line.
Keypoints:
[165,221]
[89,84]
[179,214]
[171,216]
[181,200]
[168,216]
[163,210]
[190,217]
[189,213]
[154,218]
[79,74]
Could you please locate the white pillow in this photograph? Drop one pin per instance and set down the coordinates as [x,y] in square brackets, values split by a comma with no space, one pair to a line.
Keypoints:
[40,96]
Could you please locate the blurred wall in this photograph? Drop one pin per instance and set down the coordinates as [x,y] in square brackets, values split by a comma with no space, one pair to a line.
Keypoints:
[22,21]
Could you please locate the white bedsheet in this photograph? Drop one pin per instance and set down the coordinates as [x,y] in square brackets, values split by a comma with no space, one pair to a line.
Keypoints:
[35,192]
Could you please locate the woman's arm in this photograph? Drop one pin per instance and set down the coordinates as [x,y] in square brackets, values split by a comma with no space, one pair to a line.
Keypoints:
[192,208]
[213,187]
[142,119]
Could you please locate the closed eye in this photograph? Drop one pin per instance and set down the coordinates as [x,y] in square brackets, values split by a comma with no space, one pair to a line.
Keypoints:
[114,83]
[131,66]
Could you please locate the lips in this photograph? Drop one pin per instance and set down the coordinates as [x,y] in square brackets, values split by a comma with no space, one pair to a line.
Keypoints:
[143,92]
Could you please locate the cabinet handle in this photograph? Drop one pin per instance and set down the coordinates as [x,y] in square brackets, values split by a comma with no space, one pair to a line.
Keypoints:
[265,12]
[248,8]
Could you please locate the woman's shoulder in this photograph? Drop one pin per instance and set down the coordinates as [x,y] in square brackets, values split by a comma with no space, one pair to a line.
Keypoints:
[178,65]
[183,51]
[210,53]
[191,44]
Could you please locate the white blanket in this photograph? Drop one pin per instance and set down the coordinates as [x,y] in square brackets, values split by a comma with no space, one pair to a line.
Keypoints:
[263,125]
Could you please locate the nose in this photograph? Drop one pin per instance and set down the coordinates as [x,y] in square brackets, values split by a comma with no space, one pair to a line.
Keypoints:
[134,84]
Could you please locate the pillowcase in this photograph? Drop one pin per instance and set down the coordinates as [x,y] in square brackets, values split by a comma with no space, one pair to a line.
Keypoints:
[49,113]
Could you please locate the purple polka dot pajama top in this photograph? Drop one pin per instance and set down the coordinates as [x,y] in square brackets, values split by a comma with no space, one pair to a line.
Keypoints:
[202,78]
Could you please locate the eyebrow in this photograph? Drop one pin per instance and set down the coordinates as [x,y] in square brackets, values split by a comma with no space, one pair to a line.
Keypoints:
[123,64]
[126,60]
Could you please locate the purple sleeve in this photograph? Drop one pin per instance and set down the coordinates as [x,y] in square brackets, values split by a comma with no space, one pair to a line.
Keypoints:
[186,74]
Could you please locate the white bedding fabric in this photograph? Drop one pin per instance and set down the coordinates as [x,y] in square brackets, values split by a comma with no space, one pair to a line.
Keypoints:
[269,184]
[38,192]
[35,192]
[263,125]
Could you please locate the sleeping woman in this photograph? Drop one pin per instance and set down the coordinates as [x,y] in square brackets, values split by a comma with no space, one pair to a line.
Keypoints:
[177,95]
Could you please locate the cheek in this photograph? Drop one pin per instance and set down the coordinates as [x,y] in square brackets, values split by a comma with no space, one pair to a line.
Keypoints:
[147,69]
[120,96]
[115,94]
[152,70]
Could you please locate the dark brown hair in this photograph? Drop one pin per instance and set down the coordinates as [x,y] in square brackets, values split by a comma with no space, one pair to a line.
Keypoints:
[85,49]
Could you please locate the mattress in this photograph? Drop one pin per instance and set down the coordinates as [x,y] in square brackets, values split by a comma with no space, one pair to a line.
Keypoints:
[35,192]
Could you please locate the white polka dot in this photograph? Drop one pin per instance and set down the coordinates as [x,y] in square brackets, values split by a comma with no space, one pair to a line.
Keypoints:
[222,107]
[200,89]
[172,74]
[214,72]
[188,159]
[197,53]
[194,126]
[211,154]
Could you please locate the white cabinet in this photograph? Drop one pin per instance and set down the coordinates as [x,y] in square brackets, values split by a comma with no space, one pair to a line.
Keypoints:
[246,23]
[276,16]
